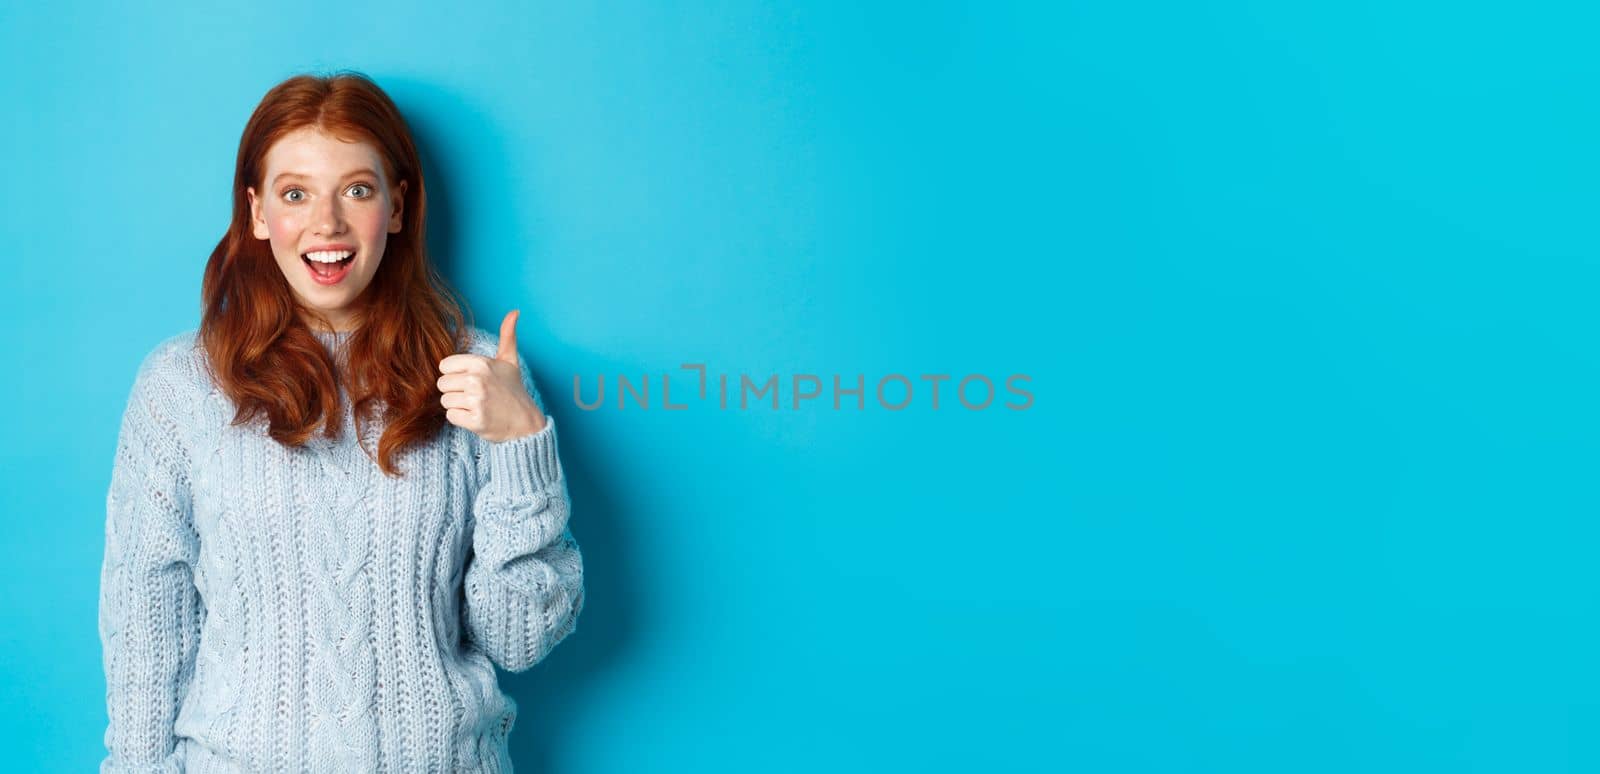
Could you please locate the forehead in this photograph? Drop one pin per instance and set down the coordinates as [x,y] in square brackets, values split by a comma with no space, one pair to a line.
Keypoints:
[313,153]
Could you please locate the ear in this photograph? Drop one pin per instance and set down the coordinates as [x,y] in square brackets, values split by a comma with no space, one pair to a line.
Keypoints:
[258,226]
[399,208]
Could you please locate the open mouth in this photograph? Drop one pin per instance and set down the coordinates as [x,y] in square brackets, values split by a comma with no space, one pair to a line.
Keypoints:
[328,267]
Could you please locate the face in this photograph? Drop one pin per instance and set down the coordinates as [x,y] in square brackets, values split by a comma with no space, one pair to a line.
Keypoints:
[328,198]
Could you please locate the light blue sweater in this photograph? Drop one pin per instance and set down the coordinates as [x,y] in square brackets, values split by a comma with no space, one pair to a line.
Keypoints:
[272,609]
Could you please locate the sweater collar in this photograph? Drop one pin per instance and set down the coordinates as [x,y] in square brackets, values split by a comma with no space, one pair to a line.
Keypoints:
[332,338]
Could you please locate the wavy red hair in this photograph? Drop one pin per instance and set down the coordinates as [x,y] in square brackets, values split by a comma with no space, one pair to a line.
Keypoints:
[261,351]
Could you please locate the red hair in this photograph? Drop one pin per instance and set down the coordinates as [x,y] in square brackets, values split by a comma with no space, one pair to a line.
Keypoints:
[260,350]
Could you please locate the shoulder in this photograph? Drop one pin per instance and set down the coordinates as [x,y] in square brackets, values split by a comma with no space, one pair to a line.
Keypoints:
[174,370]
[167,392]
[482,342]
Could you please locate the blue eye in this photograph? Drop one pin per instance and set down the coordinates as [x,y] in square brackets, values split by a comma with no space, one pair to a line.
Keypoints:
[361,185]
[291,191]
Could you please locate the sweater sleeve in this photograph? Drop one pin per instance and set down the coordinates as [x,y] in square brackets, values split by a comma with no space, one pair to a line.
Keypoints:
[524,580]
[149,610]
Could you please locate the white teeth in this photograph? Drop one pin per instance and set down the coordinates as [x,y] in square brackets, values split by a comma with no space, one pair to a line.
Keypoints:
[329,256]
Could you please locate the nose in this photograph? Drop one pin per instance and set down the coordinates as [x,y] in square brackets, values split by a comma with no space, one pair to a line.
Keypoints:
[328,217]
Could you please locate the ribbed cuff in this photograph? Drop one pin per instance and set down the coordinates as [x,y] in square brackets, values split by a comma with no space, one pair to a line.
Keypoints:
[522,466]
[172,763]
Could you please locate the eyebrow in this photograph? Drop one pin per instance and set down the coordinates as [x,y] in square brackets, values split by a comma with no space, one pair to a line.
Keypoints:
[356,173]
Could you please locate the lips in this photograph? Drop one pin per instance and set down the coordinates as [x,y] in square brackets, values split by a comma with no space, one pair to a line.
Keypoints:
[327,272]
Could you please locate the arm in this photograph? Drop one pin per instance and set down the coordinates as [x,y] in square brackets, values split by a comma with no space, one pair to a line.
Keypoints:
[150,612]
[524,580]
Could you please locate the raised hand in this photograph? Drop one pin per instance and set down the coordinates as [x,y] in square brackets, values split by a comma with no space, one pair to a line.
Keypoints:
[486,394]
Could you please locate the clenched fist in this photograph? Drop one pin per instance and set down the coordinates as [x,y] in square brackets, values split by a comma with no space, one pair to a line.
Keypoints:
[486,394]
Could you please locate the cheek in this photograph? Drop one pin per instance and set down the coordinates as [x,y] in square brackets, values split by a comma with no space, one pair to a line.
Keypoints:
[374,225]
[284,228]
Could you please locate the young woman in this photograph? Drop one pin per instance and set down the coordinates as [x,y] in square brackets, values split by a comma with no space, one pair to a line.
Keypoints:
[337,504]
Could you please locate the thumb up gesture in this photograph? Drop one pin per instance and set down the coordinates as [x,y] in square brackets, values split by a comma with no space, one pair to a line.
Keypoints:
[486,394]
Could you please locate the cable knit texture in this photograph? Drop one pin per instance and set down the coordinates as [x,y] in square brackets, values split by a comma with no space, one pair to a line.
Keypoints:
[267,609]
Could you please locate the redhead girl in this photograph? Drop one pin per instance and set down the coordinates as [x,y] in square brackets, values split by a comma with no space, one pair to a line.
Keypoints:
[337,504]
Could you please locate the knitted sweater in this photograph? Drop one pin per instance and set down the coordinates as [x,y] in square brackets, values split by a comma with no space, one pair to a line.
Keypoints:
[266,609]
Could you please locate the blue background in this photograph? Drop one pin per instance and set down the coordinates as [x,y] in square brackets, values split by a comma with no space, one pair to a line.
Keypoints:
[1305,292]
